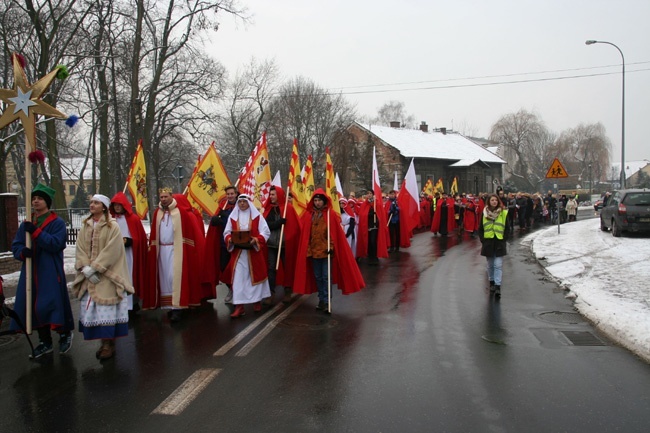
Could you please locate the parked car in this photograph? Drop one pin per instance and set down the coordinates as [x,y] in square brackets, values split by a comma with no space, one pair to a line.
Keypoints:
[598,205]
[627,211]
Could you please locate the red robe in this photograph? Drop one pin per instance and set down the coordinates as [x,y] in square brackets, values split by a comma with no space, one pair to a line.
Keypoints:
[212,251]
[188,291]
[382,235]
[139,238]
[258,261]
[345,271]
[470,219]
[207,291]
[451,221]
[291,237]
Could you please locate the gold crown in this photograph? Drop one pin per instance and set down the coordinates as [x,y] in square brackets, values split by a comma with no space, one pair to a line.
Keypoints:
[166,190]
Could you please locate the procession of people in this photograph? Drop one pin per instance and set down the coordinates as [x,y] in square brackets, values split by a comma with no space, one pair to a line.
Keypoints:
[177,266]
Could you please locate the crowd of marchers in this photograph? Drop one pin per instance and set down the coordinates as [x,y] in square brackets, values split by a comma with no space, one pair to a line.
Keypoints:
[120,270]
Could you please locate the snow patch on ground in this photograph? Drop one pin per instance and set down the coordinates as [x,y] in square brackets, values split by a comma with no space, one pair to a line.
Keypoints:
[610,277]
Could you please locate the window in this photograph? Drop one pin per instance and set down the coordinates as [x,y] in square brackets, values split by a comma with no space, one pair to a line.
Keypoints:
[72,190]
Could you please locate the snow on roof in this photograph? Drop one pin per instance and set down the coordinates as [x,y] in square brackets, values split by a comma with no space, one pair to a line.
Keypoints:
[493,149]
[465,162]
[413,143]
[631,167]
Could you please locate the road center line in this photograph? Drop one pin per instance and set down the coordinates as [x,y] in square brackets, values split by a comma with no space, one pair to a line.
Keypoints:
[239,337]
[269,327]
[186,392]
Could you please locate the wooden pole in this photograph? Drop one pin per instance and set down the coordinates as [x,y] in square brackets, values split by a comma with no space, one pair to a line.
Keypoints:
[329,267]
[28,238]
[284,215]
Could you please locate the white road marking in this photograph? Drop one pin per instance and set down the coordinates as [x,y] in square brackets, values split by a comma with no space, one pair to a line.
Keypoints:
[268,328]
[250,328]
[187,392]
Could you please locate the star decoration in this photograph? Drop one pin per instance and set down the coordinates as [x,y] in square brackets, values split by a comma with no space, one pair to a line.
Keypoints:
[24,102]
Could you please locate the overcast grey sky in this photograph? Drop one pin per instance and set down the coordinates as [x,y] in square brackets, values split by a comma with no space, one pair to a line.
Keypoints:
[442,48]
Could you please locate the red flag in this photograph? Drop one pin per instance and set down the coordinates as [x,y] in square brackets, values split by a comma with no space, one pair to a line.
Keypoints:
[255,177]
[382,235]
[409,207]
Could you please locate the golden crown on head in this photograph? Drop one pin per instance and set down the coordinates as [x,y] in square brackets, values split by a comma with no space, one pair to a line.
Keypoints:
[165,190]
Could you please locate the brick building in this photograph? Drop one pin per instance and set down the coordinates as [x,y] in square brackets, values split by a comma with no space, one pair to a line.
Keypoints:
[436,154]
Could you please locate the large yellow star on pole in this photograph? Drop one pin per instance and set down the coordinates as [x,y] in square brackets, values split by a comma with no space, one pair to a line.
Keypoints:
[24,102]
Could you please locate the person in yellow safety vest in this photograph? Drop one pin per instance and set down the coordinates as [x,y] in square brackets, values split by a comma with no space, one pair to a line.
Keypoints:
[492,232]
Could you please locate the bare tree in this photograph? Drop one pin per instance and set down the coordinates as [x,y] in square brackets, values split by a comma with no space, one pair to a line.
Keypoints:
[304,111]
[394,111]
[524,138]
[55,31]
[249,95]
[586,145]
[181,76]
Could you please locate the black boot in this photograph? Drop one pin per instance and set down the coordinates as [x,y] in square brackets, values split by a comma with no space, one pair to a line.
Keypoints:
[492,286]
[497,291]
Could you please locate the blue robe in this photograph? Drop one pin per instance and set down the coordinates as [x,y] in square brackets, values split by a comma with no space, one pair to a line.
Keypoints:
[49,290]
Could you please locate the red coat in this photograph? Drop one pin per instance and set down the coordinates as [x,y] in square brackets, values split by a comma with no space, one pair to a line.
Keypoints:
[345,271]
[212,252]
[186,256]
[139,245]
[382,235]
[470,219]
[291,237]
[451,221]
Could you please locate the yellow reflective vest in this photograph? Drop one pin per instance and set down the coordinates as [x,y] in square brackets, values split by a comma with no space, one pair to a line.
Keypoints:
[497,227]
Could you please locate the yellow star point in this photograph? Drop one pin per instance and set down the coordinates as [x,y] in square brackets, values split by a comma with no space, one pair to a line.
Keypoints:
[24,102]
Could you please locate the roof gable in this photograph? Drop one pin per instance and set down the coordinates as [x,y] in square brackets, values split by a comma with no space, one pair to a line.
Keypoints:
[414,143]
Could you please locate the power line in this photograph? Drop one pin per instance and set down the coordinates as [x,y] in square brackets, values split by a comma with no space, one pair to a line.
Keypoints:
[494,83]
[487,76]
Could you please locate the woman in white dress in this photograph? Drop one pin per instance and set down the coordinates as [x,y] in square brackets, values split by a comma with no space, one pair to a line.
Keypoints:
[247,270]
[103,280]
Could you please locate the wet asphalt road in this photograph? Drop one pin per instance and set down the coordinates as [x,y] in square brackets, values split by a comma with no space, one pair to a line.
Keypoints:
[423,348]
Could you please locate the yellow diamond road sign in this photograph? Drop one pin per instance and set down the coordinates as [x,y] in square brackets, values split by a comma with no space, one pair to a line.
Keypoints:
[556,170]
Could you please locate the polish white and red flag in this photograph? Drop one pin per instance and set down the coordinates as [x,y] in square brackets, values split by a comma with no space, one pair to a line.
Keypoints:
[409,207]
[255,178]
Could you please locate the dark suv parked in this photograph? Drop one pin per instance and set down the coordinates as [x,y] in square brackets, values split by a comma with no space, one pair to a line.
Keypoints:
[627,210]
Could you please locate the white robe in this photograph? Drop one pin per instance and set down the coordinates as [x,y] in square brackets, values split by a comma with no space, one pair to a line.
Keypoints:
[126,233]
[166,256]
[345,222]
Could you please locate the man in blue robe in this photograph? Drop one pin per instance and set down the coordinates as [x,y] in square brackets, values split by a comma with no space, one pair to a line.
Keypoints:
[50,301]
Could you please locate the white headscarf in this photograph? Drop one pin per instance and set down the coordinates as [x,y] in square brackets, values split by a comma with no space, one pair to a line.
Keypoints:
[251,212]
[103,199]
[244,218]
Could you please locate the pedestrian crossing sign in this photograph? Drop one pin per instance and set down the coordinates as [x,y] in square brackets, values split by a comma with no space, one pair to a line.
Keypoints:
[556,170]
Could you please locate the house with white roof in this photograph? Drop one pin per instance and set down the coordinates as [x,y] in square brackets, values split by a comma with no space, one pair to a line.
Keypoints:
[437,154]
[635,171]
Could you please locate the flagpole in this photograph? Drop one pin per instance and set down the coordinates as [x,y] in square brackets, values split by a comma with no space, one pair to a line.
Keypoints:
[28,238]
[284,215]
[329,267]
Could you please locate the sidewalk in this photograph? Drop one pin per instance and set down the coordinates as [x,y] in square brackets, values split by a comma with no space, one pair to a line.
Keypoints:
[608,277]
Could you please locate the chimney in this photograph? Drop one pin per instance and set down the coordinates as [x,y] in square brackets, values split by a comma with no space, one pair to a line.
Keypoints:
[394,124]
[444,131]
[424,127]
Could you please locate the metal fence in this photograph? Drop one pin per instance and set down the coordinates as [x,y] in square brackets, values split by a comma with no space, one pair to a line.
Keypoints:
[72,217]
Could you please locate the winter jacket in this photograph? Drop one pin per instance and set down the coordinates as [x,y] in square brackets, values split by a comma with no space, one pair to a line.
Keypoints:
[493,246]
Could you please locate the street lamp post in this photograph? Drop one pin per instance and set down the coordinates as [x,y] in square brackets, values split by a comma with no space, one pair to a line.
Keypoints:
[591,42]
[591,187]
